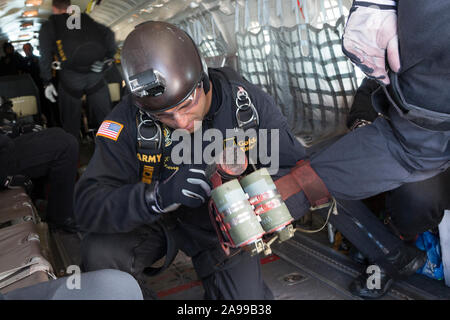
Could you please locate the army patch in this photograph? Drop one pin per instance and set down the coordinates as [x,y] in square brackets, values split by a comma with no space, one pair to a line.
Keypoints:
[110,129]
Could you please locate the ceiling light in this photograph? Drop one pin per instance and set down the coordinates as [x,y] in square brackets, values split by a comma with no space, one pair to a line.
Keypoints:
[193,5]
[33,3]
[26,25]
[30,13]
[148,10]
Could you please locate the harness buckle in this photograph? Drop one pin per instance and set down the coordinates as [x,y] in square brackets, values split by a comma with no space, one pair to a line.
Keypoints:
[56,65]
[147,126]
[245,104]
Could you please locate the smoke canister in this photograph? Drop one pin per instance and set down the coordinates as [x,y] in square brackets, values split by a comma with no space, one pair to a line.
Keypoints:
[264,196]
[239,220]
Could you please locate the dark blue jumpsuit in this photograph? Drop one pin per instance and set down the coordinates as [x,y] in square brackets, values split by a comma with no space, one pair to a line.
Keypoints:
[409,143]
[109,198]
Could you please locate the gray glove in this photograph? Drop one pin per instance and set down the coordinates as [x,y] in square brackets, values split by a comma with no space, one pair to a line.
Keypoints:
[100,66]
[370,35]
[188,186]
[50,92]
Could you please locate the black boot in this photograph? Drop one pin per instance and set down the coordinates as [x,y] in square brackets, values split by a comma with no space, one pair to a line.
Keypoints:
[406,261]
[357,256]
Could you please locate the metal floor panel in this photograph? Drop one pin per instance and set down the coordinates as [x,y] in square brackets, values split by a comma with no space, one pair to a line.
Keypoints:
[337,271]
[303,268]
[289,282]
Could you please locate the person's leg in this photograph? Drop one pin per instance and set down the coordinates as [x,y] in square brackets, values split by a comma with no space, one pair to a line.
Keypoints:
[99,103]
[382,248]
[239,278]
[131,252]
[416,207]
[70,93]
[70,112]
[50,153]
[234,278]
[96,285]
[364,230]
[375,159]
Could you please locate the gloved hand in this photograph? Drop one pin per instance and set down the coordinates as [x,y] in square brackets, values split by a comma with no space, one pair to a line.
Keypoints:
[97,66]
[50,92]
[370,34]
[100,66]
[188,186]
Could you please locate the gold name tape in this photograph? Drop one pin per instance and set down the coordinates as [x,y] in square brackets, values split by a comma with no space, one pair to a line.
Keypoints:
[147,174]
[156,158]
[244,145]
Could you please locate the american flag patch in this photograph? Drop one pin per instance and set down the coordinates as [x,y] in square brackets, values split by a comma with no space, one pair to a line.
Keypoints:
[110,130]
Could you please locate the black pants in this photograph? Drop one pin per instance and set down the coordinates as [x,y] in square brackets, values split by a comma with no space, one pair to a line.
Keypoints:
[417,207]
[71,88]
[236,278]
[99,285]
[51,153]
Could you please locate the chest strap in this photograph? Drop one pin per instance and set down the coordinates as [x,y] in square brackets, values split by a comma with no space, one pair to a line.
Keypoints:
[246,114]
[149,146]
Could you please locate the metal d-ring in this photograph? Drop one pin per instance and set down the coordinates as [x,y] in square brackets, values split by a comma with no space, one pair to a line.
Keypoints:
[158,135]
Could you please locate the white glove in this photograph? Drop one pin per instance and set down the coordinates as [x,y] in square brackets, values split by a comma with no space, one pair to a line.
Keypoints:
[50,93]
[370,33]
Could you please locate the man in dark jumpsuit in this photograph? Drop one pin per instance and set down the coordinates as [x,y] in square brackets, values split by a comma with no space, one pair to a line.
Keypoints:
[96,285]
[408,143]
[412,208]
[32,64]
[125,191]
[12,63]
[378,157]
[82,51]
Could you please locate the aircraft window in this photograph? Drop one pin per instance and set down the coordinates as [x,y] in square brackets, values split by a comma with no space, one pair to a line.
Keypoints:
[208,47]
[205,34]
[331,11]
[302,67]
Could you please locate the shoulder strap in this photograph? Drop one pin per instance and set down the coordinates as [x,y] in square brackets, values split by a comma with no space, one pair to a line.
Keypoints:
[149,146]
[149,134]
[246,114]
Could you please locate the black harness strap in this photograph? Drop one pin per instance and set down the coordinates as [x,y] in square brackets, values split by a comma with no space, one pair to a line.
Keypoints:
[150,151]
[149,147]
[246,114]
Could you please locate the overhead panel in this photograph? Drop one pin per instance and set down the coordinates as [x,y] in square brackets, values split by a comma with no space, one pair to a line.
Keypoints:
[122,15]
[110,11]
[15,13]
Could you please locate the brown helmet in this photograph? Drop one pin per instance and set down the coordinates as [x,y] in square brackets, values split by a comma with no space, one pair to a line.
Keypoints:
[162,65]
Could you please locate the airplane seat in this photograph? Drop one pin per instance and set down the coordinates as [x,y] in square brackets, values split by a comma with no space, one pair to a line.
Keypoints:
[114,79]
[24,94]
[24,245]
[114,92]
